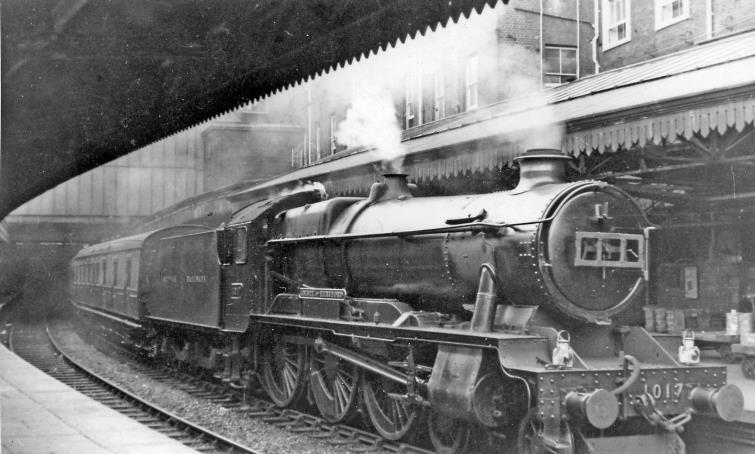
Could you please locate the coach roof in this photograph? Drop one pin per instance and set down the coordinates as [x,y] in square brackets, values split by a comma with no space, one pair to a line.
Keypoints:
[136,241]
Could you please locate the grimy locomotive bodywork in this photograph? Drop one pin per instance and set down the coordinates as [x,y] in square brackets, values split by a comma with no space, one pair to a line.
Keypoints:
[489,313]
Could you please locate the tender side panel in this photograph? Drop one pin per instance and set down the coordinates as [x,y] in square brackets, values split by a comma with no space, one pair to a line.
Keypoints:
[186,284]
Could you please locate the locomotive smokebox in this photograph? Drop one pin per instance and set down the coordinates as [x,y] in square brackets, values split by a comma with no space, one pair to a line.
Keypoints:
[540,166]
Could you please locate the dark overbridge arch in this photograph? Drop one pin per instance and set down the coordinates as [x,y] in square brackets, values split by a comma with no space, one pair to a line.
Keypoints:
[84,82]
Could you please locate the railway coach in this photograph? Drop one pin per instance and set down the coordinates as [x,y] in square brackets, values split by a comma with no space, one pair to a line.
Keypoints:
[111,279]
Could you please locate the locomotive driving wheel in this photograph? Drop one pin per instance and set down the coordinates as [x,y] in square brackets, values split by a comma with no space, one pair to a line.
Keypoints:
[532,438]
[284,372]
[334,385]
[448,435]
[392,418]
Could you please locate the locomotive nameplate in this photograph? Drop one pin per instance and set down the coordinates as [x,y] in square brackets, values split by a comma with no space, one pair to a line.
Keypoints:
[322,302]
[322,293]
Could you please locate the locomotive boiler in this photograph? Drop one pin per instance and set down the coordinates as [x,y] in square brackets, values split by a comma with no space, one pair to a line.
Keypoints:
[578,250]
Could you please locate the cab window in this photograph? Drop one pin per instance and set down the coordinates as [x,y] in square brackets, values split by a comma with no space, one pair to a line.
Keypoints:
[239,252]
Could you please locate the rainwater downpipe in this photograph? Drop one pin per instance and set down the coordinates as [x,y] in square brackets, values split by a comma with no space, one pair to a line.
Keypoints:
[309,124]
[578,42]
[708,19]
[541,45]
[596,35]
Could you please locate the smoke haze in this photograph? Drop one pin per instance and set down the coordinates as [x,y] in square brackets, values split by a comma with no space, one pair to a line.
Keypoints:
[371,122]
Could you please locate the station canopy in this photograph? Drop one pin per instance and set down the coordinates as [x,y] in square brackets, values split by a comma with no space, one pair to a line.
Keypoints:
[87,81]
[679,127]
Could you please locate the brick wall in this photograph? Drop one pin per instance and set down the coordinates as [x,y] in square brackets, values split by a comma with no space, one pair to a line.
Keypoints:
[646,42]
[519,24]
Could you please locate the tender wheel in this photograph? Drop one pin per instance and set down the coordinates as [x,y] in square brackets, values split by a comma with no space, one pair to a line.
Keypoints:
[392,418]
[284,372]
[532,439]
[748,367]
[448,435]
[334,385]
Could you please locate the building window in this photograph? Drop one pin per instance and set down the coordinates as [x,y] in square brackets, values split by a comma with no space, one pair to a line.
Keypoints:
[669,12]
[616,25]
[318,138]
[559,64]
[439,94]
[412,108]
[472,82]
[333,129]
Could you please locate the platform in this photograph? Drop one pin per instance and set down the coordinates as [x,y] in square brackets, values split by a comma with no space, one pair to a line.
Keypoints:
[39,414]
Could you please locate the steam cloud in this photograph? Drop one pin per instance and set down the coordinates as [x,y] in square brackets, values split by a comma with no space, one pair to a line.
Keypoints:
[371,122]
[302,187]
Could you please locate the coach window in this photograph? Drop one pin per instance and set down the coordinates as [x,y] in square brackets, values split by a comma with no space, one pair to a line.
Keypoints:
[239,252]
[128,283]
[135,273]
[104,272]
[115,272]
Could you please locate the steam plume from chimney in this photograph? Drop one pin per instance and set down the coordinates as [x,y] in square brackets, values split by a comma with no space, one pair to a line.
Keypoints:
[371,122]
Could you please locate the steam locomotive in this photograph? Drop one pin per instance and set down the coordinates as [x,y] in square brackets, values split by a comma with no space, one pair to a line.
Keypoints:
[458,315]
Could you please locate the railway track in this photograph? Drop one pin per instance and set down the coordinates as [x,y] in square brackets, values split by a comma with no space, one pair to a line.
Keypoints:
[703,435]
[34,343]
[256,406]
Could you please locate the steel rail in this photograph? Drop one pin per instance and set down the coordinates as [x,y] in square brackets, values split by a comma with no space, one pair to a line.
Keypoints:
[258,407]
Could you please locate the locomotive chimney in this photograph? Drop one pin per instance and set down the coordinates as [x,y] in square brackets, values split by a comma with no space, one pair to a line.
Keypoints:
[540,166]
[395,185]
